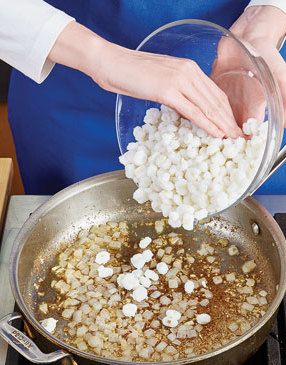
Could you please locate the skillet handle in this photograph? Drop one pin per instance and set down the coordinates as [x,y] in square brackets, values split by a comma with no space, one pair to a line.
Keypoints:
[24,345]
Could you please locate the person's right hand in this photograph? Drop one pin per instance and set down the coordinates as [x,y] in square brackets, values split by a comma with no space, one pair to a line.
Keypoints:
[261,28]
[176,82]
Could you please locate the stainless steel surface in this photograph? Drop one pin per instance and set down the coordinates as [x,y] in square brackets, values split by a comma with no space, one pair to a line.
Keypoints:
[24,345]
[19,208]
[109,197]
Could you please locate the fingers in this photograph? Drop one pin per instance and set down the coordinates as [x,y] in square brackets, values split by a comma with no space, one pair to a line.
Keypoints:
[191,112]
[212,102]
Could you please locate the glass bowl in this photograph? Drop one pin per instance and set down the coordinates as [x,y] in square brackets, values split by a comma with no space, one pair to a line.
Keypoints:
[199,40]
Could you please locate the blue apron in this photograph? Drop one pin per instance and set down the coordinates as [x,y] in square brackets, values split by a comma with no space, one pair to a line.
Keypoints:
[64,129]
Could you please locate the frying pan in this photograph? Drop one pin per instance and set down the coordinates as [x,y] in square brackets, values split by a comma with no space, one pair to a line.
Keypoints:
[108,197]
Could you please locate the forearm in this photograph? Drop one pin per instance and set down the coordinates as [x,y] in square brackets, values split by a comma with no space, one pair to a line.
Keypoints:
[77,47]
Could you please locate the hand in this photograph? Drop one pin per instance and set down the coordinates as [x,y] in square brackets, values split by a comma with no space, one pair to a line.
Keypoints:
[175,82]
[261,27]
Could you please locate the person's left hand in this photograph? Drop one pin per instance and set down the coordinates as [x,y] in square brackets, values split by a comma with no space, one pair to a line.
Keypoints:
[260,27]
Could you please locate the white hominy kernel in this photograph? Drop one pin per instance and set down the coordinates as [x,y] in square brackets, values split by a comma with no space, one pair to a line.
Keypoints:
[102,257]
[145,282]
[188,221]
[147,254]
[104,272]
[139,195]
[129,309]
[140,293]
[150,274]
[162,267]
[153,115]
[189,286]
[202,213]
[119,280]
[203,318]
[145,242]
[140,157]
[138,260]
[233,250]
[128,281]
[263,293]
[138,134]
[171,313]
[137,273]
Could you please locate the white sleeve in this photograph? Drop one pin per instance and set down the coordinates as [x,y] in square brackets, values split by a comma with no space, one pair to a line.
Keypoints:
[28,31]
[281,4]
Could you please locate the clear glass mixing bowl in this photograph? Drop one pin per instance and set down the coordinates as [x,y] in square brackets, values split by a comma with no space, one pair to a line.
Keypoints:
[191,39]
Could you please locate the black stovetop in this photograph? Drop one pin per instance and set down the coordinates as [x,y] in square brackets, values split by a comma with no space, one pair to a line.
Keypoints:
[272,352]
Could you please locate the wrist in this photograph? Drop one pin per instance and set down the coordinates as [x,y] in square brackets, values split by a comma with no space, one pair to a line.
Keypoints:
[261,22]
[77,47]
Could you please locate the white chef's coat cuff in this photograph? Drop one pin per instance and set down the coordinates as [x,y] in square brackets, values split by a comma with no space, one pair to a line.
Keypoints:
[38,66]
[28,31]
[281,4]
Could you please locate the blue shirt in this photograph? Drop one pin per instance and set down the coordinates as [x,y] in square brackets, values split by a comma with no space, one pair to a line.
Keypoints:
[64,129]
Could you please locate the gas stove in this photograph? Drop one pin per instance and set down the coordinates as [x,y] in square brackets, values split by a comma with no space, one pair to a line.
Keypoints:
[272,352]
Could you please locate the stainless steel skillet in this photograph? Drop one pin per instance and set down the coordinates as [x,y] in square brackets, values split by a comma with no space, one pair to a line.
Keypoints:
[109,197]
